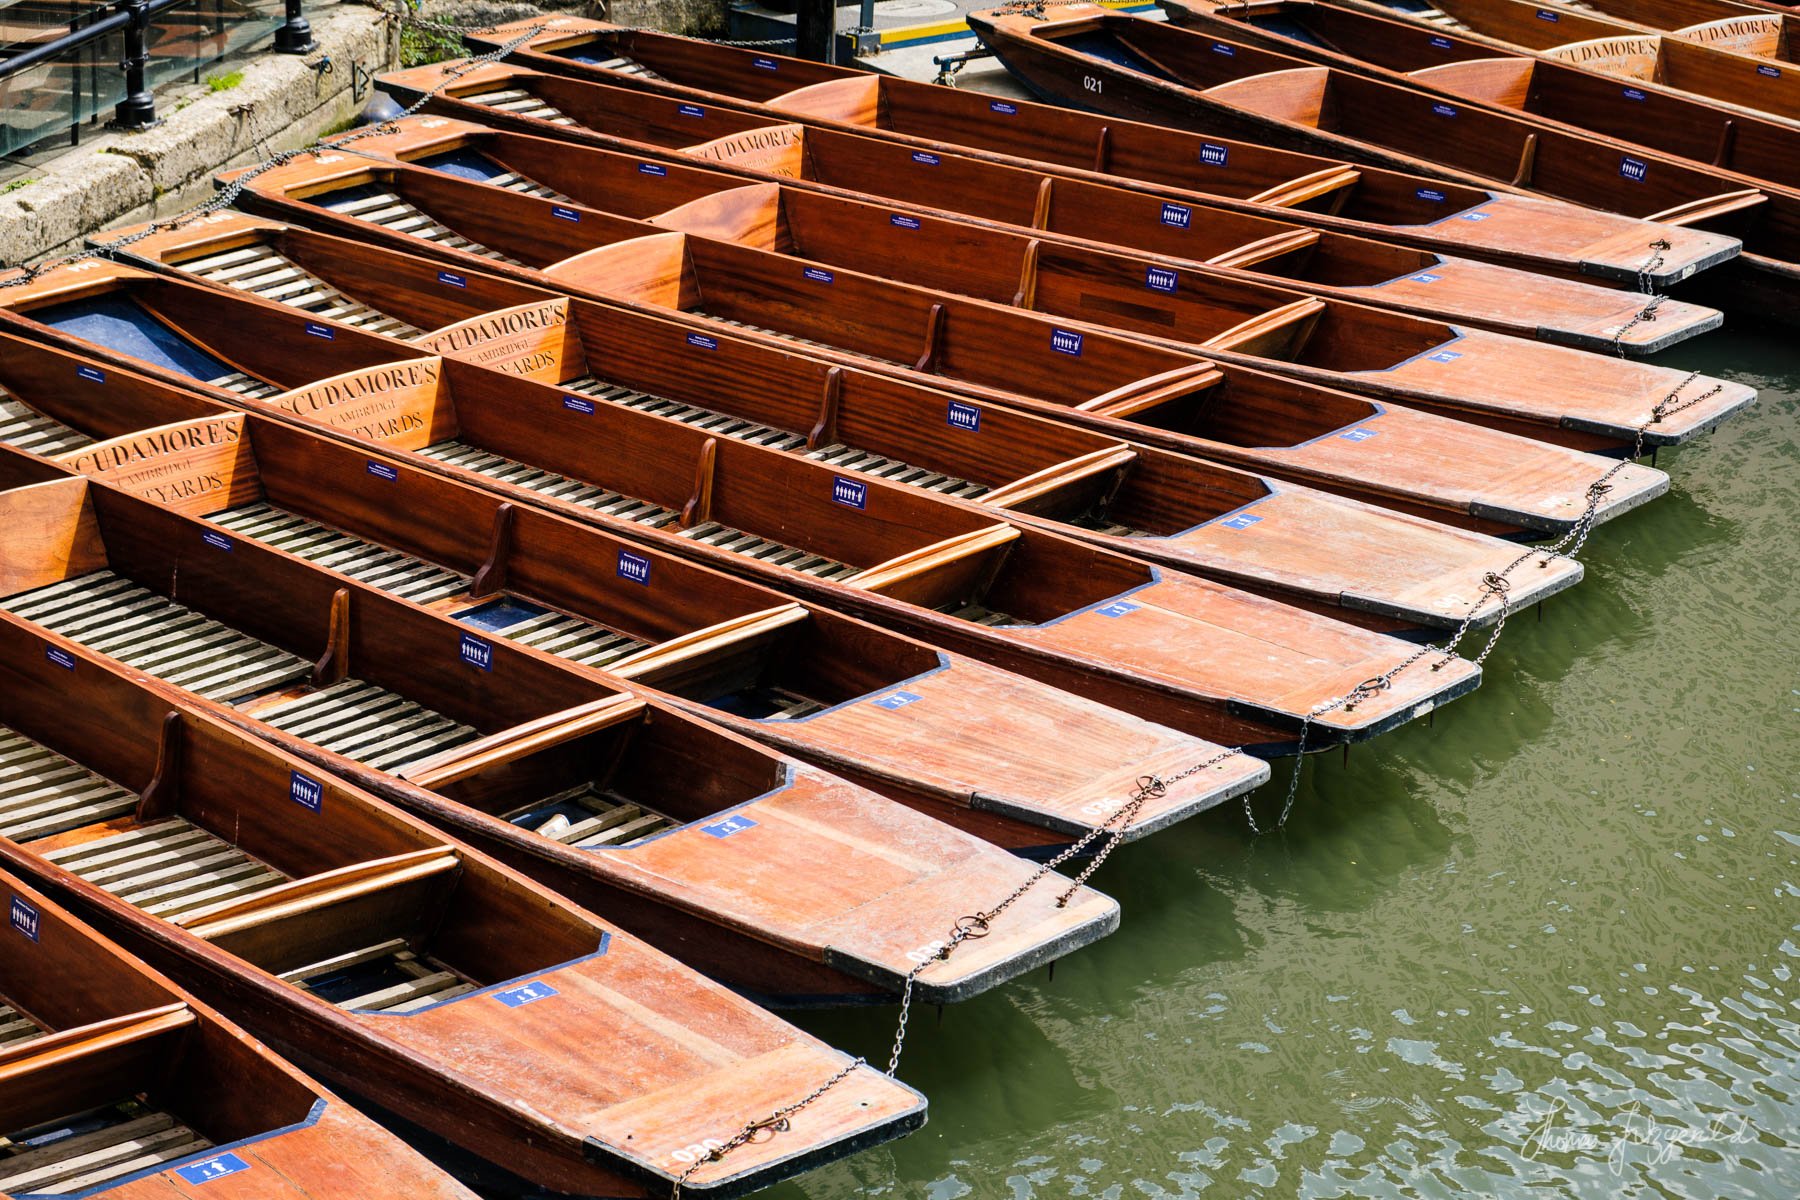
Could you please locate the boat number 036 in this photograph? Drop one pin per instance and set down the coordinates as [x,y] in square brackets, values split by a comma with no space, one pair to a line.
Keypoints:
[1090,83]
[694,1153]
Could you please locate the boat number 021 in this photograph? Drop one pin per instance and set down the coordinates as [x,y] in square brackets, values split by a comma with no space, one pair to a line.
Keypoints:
[1090,83]
[694,1153]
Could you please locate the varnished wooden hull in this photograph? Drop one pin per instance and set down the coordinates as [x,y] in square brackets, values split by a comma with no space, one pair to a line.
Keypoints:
[1055,603]
[506,1064]
[168,1093]
[1214,179]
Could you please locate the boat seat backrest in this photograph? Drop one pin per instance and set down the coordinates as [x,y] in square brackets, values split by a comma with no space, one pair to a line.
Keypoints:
[1502,81]
[194,467]
[955,569]
[1758,34]
[48,533]
[1069,487]
[854,101]
[1296,95]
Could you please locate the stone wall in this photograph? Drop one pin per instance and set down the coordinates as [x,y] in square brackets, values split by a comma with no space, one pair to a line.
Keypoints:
[703,18]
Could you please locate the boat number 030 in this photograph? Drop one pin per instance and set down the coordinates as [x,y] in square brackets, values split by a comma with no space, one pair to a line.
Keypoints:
[694,1153]
[1090,83]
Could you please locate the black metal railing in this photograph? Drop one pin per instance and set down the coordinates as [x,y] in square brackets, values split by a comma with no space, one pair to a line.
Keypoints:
[45,82]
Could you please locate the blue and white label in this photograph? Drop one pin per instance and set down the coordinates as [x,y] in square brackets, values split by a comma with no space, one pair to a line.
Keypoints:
[320,331]
[452,279]
[306,791]
[1424,277]
[1214,156]
[702,341]
[963,416]
[1358,435]
[926,158]
[1443,110]
[1064,342]
[25,918]
[209,1169]
[1634,94]
[894,700]
[1003,108]
[1633,169]
[91,374]
[656,169]
[849,492]
[1118,608]
[1472,216]
[525,993]
[1440,43]
[577,404]
[60,657]
[765,64]
[1161,279]
[564,214]
[1240,521]
[1177,216]
[691,110]
[1769,72]
[1544,14]
[727,827]
[818,275]
[1430,194]
[899,221]
[634,567]
[1445,356]
[217,541]
[382,471]
[1222,48]
[476,652]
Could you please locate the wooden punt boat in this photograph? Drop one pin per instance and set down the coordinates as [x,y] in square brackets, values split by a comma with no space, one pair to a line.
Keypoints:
[391,960]
[1400,52]
[1152,70]
[1490,480]
[1202,174]
[120,1085]
[1406,573]
[1552,393]
[1022,765]
[1200,657]
[673,824]
[1705,64]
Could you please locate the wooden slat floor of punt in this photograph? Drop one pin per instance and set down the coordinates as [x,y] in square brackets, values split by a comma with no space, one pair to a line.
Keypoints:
[244,385]
[42,793]
[849,458]
[520,103]
[266,272]
[981,614]
[425,583]
[154,634]
[367,724]
[1099,522]
[16,1028]
[785,336]
[29,430]
[387,977]
[627,66]
[590,818]
[85,1150]
[378,206]
[588,495]
[169,868]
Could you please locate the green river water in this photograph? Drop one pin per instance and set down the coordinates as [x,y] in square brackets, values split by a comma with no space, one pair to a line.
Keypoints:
[1545,948]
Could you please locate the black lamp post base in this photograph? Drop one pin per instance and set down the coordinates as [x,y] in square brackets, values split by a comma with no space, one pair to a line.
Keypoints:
[295,37]
[135,112]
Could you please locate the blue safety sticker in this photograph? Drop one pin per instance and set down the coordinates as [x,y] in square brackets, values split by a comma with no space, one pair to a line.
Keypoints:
[1443,110]
[525,993]
[1544,14]
[91,374]
[476,652]
[1359,435]
[1214,156]
[1002,107]
[849,492]
[1180,216]
[963,416]
[691,110]
[926,158]
[382,471]
[1445,356]
[1064,342]
[1769,72]
[652,169]
[765,64]
[1424,277]
[1240,521]
[818,274]
[895,700]
[1634,94]
[634,567]
[727,827]
[25,918]
[306,791]
[1440,43]
[217,541]
[1634,169]
[904,222]
[452,279]
[702,341]
[1118,608]
[320,331]
[60,657]
[1472,216]
[209,1169]
[1431,194]
[1161,279]
[577,404]
[1222,48]
[564,214]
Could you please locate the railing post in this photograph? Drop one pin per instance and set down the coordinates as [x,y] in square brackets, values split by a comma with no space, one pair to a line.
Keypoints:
[295,35]
[138,109]
[815,30]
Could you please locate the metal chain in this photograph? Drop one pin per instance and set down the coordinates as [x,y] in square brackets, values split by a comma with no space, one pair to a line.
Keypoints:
[776,1122]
